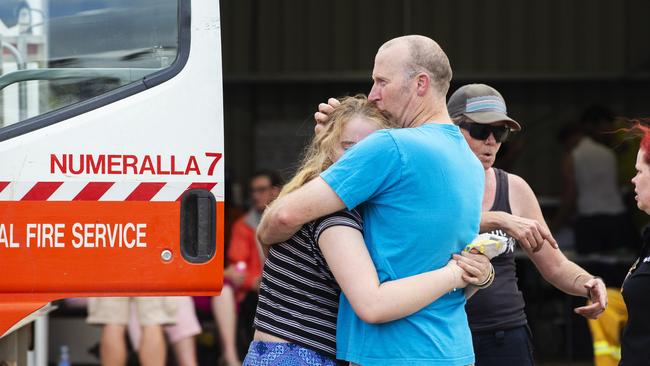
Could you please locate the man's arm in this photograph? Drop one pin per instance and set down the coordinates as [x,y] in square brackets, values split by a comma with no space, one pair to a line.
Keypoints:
[287,214]
[551,263]
[368,168]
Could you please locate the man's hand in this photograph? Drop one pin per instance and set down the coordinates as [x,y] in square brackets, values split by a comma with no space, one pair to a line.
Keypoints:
[322,117]
[598,296]
[529,233]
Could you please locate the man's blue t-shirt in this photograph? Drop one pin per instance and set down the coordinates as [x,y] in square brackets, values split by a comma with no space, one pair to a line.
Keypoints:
[420,191]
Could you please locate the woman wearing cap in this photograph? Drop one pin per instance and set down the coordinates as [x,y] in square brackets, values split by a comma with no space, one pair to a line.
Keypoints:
[635,341]
[496,315]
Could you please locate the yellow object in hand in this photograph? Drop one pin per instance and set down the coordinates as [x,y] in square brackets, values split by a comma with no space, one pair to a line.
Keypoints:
[490,245]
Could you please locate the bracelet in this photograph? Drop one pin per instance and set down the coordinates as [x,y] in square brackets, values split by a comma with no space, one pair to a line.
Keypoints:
[488,281]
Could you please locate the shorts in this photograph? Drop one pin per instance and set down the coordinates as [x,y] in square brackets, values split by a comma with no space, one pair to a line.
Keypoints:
[284,354]
[187,324]
[115,310]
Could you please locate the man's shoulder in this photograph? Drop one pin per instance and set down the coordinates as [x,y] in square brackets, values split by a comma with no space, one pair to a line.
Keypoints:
[386,134]
[440,133]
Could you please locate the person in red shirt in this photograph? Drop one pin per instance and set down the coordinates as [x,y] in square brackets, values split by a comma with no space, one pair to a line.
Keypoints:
[244,269]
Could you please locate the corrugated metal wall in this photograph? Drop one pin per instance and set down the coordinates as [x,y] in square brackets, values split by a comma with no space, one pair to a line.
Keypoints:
[550,59]
[506,38]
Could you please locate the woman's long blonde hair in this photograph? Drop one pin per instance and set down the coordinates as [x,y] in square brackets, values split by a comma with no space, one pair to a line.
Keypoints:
[318,155]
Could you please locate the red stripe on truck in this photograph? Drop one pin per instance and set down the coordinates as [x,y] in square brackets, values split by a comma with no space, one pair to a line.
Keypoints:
[145,191]
[93,191]
[41,191]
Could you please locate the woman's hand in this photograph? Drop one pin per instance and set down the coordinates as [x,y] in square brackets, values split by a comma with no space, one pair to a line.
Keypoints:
[476,267]
[529,233]
[597,294]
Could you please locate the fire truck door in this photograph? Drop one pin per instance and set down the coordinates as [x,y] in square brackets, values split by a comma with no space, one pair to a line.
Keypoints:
[111,151]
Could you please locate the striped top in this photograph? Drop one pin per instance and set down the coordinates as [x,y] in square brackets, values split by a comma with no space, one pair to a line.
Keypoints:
[299,297]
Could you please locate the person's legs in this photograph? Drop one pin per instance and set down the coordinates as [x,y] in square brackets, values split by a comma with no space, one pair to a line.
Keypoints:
[181,335]
[509,347]
[112,313]
[185,351]
[225,315]
[153,350]
[112,348]
[133,328]
[153,313]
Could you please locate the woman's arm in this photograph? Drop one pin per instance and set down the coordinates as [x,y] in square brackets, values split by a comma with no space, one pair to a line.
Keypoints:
[286,215]
[347,256]
[557,269]
[530,234]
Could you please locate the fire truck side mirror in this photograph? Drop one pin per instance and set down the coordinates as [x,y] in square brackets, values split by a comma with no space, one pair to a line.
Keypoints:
[198,223]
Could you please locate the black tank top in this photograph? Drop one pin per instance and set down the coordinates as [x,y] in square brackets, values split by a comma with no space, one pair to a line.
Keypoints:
[500,306]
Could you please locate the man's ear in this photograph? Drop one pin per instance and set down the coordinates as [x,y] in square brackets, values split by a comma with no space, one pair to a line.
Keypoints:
[424,82]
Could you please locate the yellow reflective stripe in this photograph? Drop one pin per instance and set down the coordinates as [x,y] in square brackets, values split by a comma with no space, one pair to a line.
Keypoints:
[603,348]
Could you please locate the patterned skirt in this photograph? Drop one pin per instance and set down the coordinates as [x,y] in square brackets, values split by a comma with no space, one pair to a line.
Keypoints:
[284,354]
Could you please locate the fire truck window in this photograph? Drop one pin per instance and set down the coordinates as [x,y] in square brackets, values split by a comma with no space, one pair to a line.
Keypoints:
[55,53]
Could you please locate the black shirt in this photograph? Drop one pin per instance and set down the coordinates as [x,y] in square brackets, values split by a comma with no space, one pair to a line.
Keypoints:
[635,341]
[500,306]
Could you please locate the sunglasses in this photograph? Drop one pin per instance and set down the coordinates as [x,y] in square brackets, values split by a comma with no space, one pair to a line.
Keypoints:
[480,131]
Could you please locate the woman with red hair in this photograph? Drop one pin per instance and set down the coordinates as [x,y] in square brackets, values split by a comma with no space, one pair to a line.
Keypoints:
[635,341]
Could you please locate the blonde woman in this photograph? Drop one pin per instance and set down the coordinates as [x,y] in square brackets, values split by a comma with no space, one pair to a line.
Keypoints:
[303,276]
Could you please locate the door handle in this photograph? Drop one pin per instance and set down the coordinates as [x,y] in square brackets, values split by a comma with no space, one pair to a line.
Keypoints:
[198,225]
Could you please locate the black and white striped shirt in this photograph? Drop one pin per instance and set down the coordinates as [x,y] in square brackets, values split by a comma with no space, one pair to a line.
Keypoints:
[299,298]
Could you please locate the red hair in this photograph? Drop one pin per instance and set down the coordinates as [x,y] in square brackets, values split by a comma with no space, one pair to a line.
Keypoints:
[642,127]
